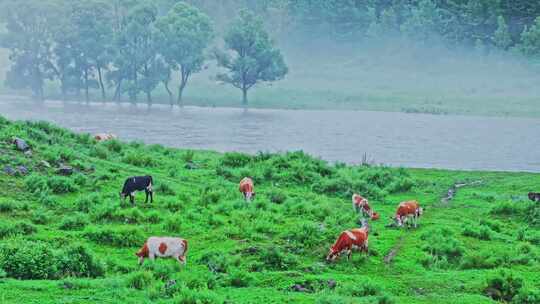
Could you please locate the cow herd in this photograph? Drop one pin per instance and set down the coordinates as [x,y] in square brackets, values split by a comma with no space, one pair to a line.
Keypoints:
[348,240]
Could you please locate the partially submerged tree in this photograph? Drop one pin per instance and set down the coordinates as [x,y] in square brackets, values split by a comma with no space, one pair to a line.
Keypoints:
[185,32]
[530,40]
[254,57]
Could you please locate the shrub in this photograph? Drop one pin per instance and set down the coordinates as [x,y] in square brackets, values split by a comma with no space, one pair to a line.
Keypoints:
[235,159]
[361,289]
[173,224]
[527,297]
[188,156]
[482,260]
[129,216]
[74,222]
[330,299]
[78,261]
[385,299]
[36,183]
[120,237]
[41,217]
[277,197]
[217,262]
[165,189]
[504,287]
[8,206]
[189,296]
[99,152]
[173,205]
[307,234]
[18,228]
[113,145]
[238,278]
[140,280]
[442,246]
[153,217]
[28,260]
[87,202]
[506,208]
[274,258]
[138,159]
[209,195]
[481,232]
[61,185]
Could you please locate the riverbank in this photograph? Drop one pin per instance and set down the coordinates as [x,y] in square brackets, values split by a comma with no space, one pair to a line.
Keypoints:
[271,250]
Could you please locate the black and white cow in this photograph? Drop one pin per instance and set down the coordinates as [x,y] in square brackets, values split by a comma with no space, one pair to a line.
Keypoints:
[535,197]
[137,183]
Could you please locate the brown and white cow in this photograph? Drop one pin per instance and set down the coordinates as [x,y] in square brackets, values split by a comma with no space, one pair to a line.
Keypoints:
[349,240]
[361,205]
[409,210]
[247,189]
[163,247]
[104,136]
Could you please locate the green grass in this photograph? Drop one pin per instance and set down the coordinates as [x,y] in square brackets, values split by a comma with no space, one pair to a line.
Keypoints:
[246,253]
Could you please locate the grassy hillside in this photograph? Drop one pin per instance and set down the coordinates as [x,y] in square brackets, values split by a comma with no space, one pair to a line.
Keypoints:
[68,239]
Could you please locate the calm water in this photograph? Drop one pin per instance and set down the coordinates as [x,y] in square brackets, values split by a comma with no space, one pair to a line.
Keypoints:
[397,139]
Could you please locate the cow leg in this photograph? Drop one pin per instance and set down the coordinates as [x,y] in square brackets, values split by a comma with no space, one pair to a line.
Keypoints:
[151,197]
[146,199]
[151,256]
[132,198]
[141,260]
[349,254]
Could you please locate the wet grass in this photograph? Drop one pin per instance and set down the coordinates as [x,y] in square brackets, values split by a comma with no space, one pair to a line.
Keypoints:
[480,246]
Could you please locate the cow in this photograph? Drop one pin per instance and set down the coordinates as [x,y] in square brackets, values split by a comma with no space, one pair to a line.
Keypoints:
[137,183]
[408,210]
[349,240]
[104,136]
[534,196]
[163,247]
[247,189]
[361,205]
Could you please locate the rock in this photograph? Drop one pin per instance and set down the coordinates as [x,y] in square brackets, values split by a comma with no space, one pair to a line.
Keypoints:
[22,170]
[45,164]
[331,284]
[170,283]
[21,144]
[28,153]
[299,288]
[190,166]
[9,170]
[65,170]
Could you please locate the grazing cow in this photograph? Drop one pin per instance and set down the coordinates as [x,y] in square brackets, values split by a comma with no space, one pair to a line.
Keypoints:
[137,183]
[247,189]
[535,197]
[361,205]
[163,247]
[104,136]
[408,210]
[349,240]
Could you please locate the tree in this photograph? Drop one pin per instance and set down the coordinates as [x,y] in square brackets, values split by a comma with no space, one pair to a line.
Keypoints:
[530,40]
[501,37]
[28,37]
[254,57]
[185,32]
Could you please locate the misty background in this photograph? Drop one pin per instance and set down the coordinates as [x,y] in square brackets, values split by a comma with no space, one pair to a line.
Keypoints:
[437,57]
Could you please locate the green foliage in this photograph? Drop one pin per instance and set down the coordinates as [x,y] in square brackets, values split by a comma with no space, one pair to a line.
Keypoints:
[277,197]
[73,222]
[443,248]
[120,237]
[28,260]
[78,261]
[503,287]
[530,40]
[361,289]
[501,37]
[235,159]
[165,189]
[140,280]
[480,232]
[61,185]
[256,59]
[17,228]
[139,159]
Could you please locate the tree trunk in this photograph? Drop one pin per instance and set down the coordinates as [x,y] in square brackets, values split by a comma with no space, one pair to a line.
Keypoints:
[117,92]
[171,98]
[149,98]
[183,82]
[103,93]
[244,97]
[86,94]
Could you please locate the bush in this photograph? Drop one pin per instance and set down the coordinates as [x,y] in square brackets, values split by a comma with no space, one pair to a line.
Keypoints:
[138,159]
[78,261]
[173,224]
[209,195]
[238,278]
[441,246]
[18,228]
[120,237]
[61,185]
[189,296]
[187,157]
[330,299]
[277,197]
[74,222]
[482,260]
[235,159]
[99,152]
[41,217]
[165,189]
[87,202]
[36,183]
[361,289]
[217,262]
[505,209]
[153,217]
[8,206]
[113,145]
[481,232]
[28,260]
[140,280]
[527,297]
[504,287]
[275,259]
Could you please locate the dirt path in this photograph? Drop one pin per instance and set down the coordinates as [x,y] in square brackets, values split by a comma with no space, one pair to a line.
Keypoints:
[394,251]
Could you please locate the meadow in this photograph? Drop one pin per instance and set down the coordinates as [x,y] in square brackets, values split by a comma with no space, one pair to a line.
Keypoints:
[67,239]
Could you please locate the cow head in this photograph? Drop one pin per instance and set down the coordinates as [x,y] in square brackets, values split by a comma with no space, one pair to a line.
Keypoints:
[332,254]
[398,220]
[182,259]
[249,196]
[122,197]
[420,211]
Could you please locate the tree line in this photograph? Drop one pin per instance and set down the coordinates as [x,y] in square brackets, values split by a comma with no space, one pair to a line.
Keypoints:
[127,47]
